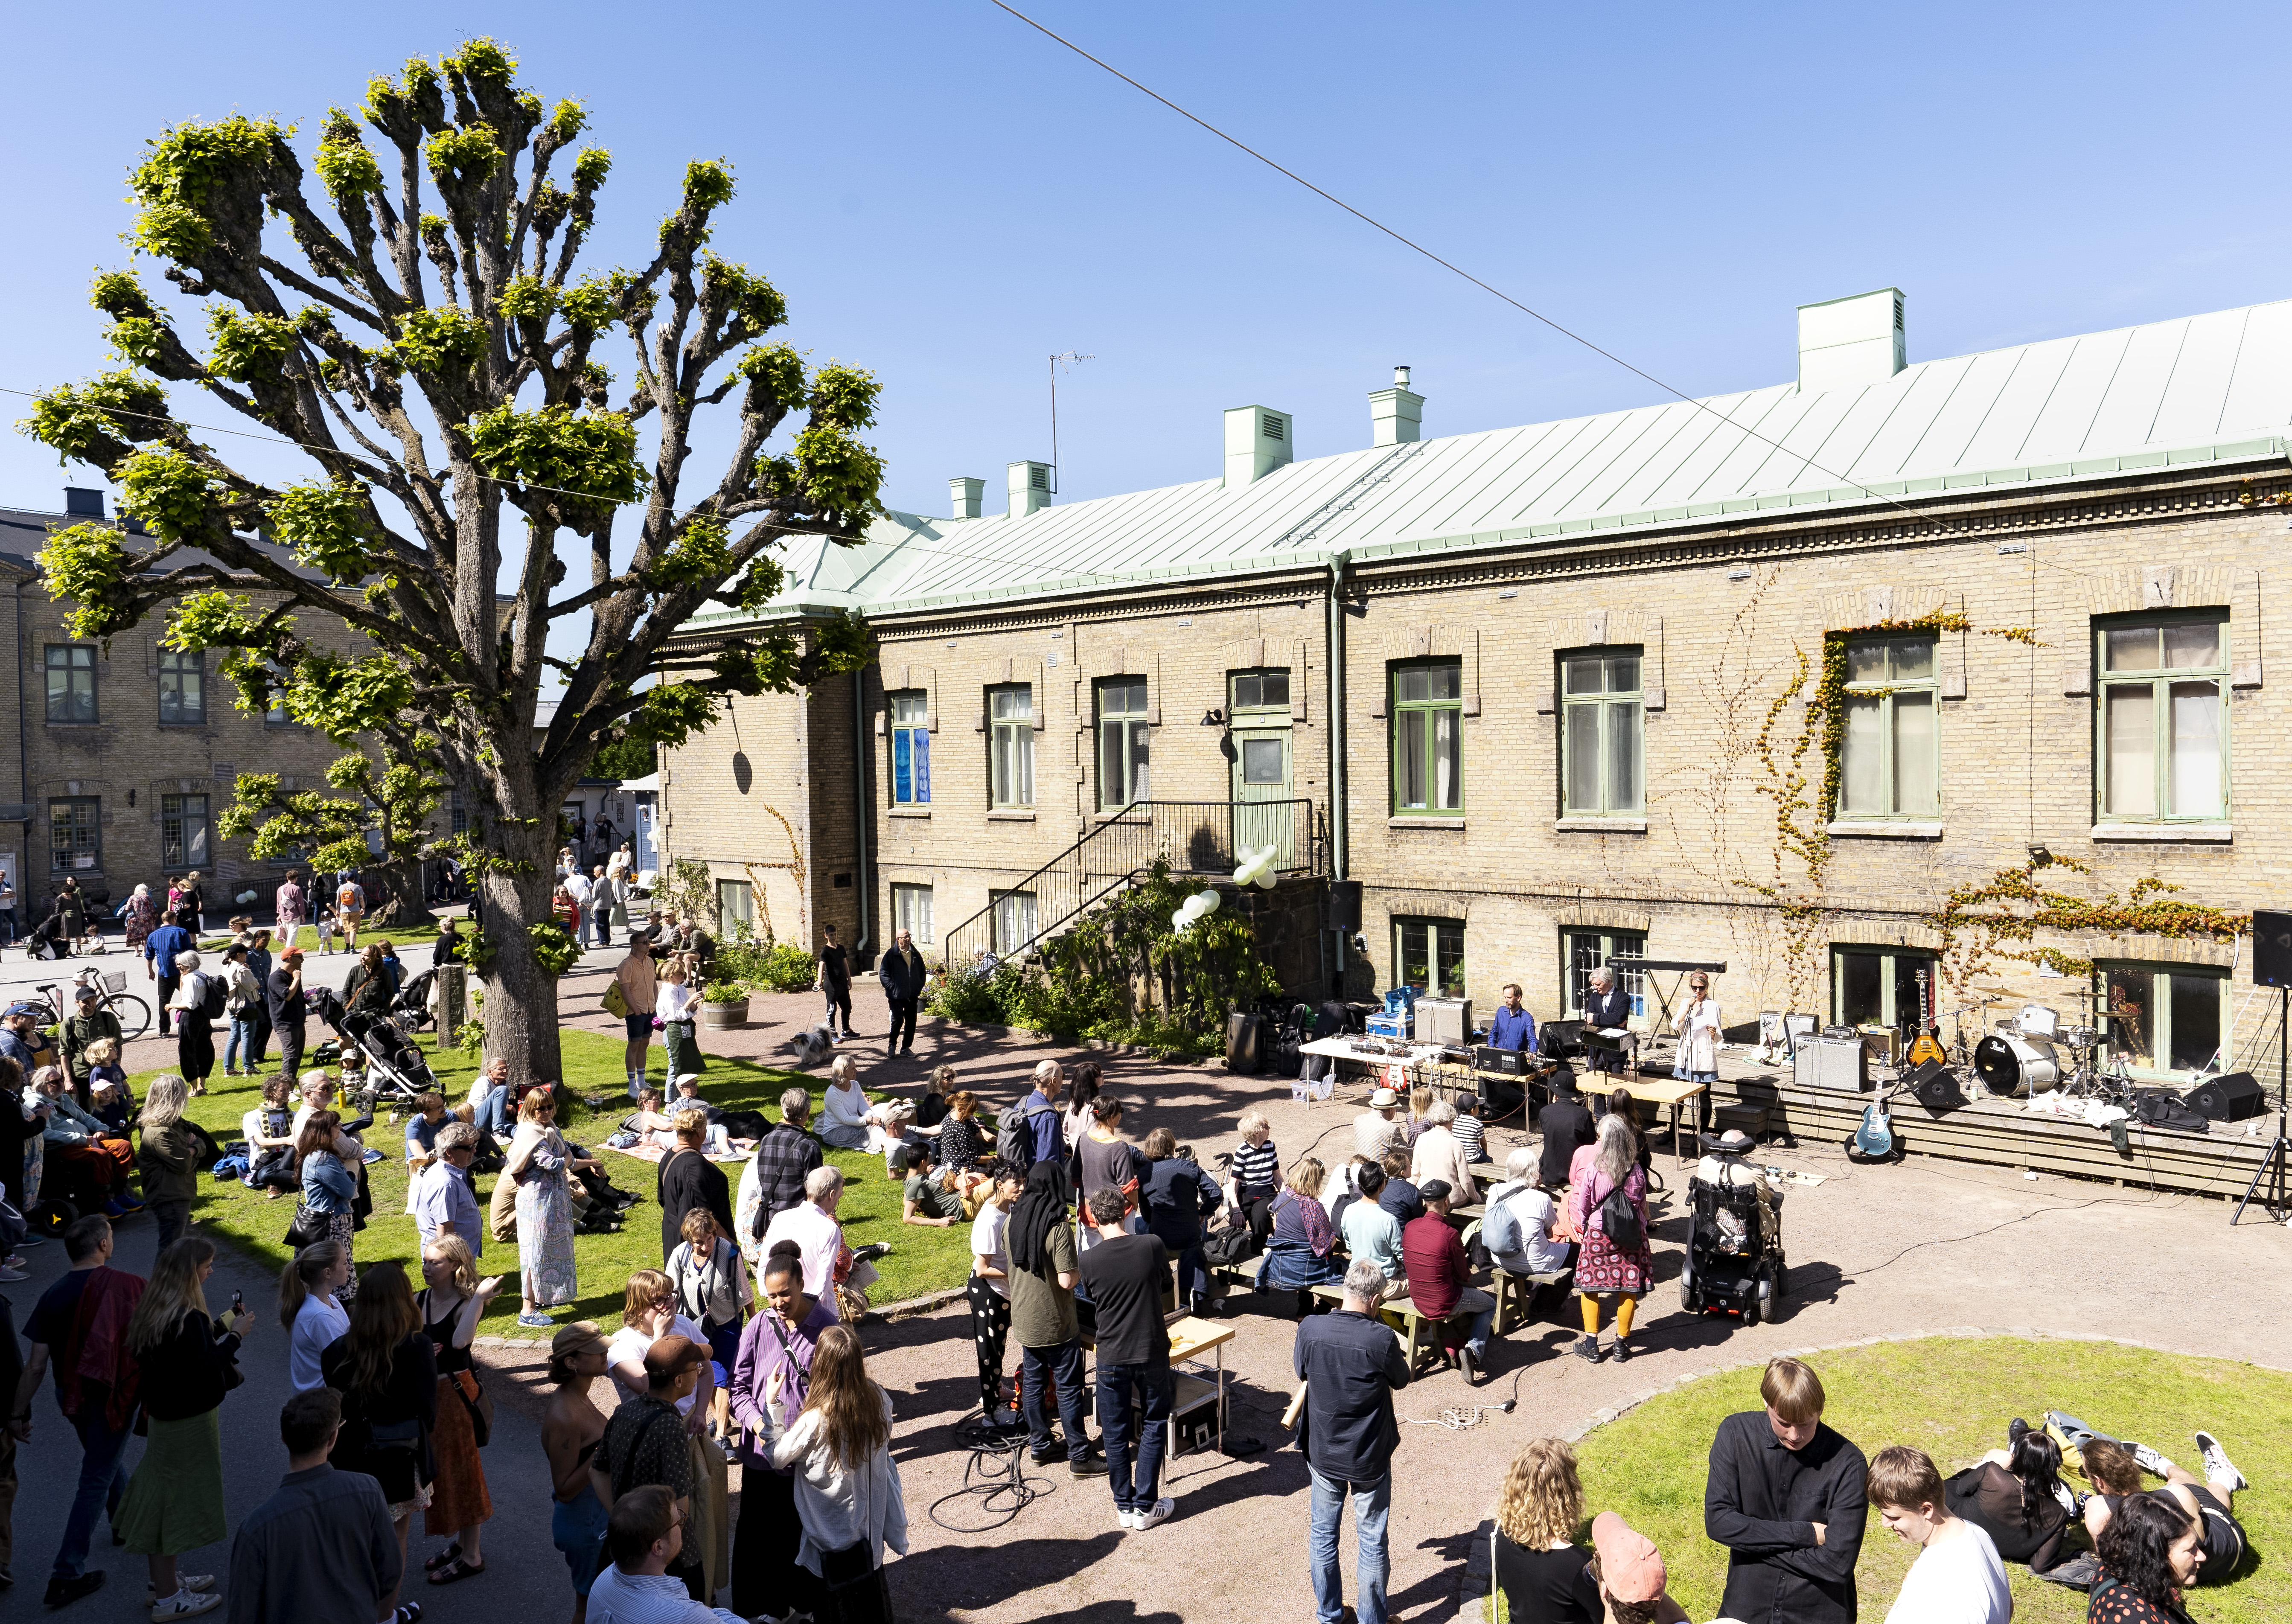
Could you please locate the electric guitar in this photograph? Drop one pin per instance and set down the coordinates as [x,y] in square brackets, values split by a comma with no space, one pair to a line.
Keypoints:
[1927,1047]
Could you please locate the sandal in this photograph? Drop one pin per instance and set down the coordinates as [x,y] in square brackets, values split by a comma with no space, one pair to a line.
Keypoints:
[454,1570]
[408,1612]
[449,1555]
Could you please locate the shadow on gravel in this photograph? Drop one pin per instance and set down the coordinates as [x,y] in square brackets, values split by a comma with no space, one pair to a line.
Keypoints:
[1437,1590]
[936,1584]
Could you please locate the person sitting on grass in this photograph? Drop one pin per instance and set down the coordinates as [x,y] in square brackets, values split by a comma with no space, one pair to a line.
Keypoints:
[844,1107]
[1956,1577]
[888,1135]
[651,1125]
[2152,1554]
[2016,1497]
[687,1093]
[2115,1471]
[935,1197]
[930,1111]
[270,1142]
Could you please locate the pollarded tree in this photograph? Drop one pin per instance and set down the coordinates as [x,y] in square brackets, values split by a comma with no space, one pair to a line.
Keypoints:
[393,800]
[438,368]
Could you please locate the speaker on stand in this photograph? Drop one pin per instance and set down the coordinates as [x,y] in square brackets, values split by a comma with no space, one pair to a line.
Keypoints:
[2271,966]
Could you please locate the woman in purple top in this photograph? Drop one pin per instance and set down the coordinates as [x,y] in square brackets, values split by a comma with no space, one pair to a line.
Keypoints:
[1297,1254]
[765,1575]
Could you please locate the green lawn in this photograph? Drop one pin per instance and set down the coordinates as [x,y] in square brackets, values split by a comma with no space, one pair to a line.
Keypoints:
[922,1260]
[1952,1398]
[405,938]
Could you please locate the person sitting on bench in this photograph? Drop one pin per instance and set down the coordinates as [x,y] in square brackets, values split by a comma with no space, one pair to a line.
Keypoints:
[1518,1230]
[1400,1195]
[2115,1470]
[1372,1233]
[1567,1128]
[1437,1269]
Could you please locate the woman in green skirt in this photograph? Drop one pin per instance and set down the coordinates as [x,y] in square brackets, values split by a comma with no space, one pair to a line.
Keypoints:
[186,1362]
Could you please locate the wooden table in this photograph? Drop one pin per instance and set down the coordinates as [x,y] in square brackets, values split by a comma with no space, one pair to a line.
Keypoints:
[1662,1091]
[1189,1339]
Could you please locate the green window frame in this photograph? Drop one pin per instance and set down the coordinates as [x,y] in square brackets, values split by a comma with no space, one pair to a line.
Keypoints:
[1889,762]
[1428,739]
[1124,773]
[1602,735]
[910,729]
[184,836]
[71,683]
[2160,719]
[1264,690]
[1878,986]
[2165,1022]
[1010,747]
[75,833]
[1585,948]
[182,688]
[1428,955]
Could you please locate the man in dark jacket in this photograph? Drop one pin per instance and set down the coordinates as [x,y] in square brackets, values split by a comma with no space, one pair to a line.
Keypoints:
[1566,1125]
[784,1159]
[1787,1498]
[89,1021]
[322,1546]
[1607,1006]
[903,975]
[1351,1364]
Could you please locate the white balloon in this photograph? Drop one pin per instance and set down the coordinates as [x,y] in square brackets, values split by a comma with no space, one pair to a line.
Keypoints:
[1179,921]
[1210,901]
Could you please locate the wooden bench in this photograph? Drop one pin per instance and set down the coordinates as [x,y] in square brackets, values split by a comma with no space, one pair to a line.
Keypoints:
[1514,1292]
[1420,1344]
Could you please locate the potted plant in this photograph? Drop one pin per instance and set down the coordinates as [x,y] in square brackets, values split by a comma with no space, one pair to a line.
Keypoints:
[724,1005]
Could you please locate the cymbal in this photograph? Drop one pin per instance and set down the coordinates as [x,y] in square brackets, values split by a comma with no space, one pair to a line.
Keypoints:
[2003,992]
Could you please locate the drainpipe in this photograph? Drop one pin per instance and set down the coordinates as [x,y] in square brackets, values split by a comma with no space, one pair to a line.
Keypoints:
[861,883]
[1337,712]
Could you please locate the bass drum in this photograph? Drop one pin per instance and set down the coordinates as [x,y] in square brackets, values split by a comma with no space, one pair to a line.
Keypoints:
[2017,1065]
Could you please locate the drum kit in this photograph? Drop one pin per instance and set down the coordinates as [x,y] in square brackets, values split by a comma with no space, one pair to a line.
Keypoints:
[2032,1052]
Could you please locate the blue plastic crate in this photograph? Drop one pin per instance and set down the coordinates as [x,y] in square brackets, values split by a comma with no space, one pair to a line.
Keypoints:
[1400,1001]
[1389,1026]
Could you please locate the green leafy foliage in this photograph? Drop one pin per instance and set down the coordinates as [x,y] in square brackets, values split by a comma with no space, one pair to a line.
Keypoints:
[568,119]
[327,526]
[844,397]
[840,473]
[170,492]
[464,157]
[554,947]
[625,758]
[673,712]
[345,167]
[137,340]
[85,566]
[526,298]
[785,967]
[482,59]
[707,183]
[756,306]
[119,294]
[592,453]
[217,620]
[247,345]
[590,304]
[760,582]
[775,374]
[590,165]
[341,698]
[442,341]
[701,554]
[77,418]
[397,798]
[183,171]
[725,992]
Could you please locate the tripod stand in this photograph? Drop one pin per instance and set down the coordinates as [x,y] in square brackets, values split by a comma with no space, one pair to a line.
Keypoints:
[2274,1167]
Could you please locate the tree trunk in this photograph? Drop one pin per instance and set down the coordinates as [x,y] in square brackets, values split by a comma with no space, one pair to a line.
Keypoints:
[401,903]
[521,1010]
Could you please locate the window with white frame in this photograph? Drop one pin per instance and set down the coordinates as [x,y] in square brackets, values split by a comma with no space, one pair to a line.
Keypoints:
[1890,766]
[1015,920]
[910,749]
[1601,736]
[2161,719]
[1123,772]
[75,833]
[183,832]
[1011,746]
[911,911]
[736,907]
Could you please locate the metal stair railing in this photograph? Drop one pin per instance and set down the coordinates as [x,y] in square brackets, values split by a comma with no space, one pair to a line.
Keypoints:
[1196,838]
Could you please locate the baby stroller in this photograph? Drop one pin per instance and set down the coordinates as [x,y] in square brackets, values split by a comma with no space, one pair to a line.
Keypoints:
[411,1008]
[1734,1262]
[394,1069]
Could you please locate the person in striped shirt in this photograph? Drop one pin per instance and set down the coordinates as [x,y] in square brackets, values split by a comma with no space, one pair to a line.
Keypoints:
[1470,1133]
[1256,1163]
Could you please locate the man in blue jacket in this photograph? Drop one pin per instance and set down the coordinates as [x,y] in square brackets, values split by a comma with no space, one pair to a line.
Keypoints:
[1351,1364]
[160,950]
[903,975]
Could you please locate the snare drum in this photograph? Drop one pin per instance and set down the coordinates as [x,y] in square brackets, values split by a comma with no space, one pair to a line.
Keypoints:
[2038,1021]
[2017,1065]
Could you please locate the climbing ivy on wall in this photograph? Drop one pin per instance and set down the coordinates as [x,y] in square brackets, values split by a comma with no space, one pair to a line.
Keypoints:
[2000,917]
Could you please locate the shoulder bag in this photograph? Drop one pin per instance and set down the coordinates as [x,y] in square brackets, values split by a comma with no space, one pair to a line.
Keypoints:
[616,1002]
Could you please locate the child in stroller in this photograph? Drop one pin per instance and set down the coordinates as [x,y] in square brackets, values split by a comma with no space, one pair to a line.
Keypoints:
[1734,1262]
[381,1064]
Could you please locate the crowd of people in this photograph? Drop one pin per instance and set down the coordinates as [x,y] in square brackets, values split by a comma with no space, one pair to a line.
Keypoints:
[742,1348]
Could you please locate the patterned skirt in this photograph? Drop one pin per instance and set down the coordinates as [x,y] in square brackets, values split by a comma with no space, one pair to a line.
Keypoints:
[545,1243]
[1601,1267]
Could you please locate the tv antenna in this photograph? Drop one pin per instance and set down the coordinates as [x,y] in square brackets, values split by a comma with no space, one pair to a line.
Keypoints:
[1067,359]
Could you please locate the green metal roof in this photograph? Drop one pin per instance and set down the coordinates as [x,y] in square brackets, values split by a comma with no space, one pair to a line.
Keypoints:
[2197,388]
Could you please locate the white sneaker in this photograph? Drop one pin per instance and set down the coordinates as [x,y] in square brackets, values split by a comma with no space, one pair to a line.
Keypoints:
[184,1582]
[1163,1510]
[2220,1471]
[1127,1519]
[2151,1461]
[184,1604]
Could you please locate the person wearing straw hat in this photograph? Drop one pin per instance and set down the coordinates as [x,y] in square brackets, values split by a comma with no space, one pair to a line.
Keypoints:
[1375,1130]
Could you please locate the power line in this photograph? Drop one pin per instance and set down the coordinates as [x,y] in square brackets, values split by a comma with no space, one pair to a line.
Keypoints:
[1448,265]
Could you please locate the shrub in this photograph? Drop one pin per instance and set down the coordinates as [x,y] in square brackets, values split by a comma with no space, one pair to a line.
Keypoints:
[724,992]
[782,967]
[968,999]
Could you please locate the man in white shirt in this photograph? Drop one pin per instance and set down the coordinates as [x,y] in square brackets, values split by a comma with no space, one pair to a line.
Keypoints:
[644,1534]
[1517,1228]
[444,1201]
[1374,1131]
[1439,1154]
[578,885]
[812,1224]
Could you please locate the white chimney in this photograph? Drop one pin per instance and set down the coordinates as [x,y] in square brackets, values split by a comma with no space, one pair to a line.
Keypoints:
[1256,443]
[1030,487]
[1850,343]
[965,494]
[1395,415]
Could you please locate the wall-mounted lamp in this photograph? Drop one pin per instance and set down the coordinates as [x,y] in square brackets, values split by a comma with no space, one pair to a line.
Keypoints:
[2039,857]
[1213,718]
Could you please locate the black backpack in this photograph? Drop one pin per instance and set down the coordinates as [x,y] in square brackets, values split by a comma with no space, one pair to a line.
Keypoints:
[1619,1221]
[1014,1132]
[211,997]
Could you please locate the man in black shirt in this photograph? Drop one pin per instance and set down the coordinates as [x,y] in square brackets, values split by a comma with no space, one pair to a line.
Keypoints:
[1124,1274]
[834,980]
[644,1444]
[288,1009]
[1566,1126]
[1788,1498]
[1351,1364]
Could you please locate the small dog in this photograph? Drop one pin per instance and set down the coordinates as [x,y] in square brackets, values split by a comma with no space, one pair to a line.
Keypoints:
[813,1047]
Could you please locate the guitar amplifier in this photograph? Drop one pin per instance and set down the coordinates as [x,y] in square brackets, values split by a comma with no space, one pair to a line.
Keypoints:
[1443,1019]
[1841,1063]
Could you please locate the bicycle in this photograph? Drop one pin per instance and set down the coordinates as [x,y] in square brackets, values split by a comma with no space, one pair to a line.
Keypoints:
[135,1014]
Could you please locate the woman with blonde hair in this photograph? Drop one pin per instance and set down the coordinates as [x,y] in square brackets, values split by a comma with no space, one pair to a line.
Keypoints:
[1300,1252]
[387,1374]
[679,1007]
[450,1302]
[571,1427]
[1606,1266]
[186,1362]
[843,1108]
[847,1485]
[1544,1574]
[168,1156]
[537,1165]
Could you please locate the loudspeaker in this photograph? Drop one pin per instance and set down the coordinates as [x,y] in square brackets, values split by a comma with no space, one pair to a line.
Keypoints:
[1936,1087]
[2271,948]
[1345,906]
[1833,1062]
[2228,1099]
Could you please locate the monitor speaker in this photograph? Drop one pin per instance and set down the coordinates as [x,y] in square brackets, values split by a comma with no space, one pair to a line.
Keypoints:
[2228,1099]
[1345,906]
[2271,948]
[1936,1087]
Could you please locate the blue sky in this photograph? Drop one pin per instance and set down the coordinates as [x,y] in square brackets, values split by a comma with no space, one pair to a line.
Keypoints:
[948,198]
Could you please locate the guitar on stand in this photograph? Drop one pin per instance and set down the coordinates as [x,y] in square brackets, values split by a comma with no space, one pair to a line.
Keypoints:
[1926,1048]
